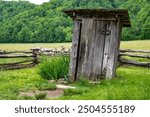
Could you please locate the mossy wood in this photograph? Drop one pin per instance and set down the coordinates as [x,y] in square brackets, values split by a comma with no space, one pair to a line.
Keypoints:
[96,41]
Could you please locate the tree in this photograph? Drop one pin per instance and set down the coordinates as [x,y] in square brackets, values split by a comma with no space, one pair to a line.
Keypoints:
[25,22]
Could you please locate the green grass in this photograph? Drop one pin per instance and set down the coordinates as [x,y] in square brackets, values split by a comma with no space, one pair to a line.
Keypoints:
[54,68]
[138,44]
[144,44]
[78,91]
[15,81]
[27,46]
[13,60]
[130,83]
[40,96]
[47,86]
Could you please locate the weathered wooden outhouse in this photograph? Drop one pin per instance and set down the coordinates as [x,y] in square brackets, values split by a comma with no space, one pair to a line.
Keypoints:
[96,41]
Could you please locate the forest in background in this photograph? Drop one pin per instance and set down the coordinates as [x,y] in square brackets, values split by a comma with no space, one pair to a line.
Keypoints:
[24,22]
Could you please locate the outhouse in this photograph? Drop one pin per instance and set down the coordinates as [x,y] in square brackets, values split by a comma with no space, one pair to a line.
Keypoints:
[96,41]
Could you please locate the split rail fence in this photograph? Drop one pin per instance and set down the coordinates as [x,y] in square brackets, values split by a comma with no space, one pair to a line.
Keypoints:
[137,57]
[25,59]
[30,58]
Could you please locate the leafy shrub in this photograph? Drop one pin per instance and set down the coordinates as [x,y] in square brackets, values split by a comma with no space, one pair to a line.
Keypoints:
[40,96]
[45,86]
[54,68]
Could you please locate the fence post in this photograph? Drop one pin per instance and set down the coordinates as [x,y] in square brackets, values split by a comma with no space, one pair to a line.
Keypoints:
[35,52]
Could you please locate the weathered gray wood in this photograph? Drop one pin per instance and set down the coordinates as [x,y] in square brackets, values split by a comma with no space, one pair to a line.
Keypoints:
[86,24]
[135,55]
[138,51]
[133,62]
[111,56]
[106,48]
[11,52]
[15,56]
[93,55]
[98,19]
[18,66]
[89,48]
[2,51]
[100,13]
[74,49]
[98,45]
[35,56]
[8,64]
[113,50]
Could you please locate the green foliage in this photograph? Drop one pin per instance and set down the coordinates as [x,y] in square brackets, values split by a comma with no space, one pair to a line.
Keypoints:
[27,98]
[132,83]
[47,86]
[15,81]
[40,96]
[139,13]
[54,68]
[83,82]
[78,91]
[25,22]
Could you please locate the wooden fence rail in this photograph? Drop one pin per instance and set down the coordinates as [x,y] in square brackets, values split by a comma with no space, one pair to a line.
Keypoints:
[31,59]
[2,52]
[136,51]
[16,56]
[135,54]
[133,62]
[33,54]
[15,63]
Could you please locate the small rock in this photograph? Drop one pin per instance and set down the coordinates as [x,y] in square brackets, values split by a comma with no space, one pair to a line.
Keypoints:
[62,81]
[52,81]
[65,87]
[95,82]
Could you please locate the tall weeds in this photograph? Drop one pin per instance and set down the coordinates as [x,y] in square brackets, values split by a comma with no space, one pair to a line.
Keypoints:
[53,68]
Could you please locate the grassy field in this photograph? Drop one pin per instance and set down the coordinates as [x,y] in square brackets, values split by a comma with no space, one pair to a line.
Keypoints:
[28,46]
[15,81]
[145,45]
[130,83]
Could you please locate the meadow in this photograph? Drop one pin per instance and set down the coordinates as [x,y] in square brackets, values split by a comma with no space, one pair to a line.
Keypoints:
[144,45]
[130,82]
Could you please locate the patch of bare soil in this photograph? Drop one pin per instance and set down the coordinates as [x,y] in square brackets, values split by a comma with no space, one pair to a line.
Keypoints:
[49,94]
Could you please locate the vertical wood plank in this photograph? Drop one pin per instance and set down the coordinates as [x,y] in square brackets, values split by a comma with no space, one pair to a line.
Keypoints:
[91,55]
[74,49]
[106,47]
[113,51]
[85,45]
[97,58]
[87,64]
[119,30]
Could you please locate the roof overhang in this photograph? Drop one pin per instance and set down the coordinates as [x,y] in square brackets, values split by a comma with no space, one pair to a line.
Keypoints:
[122,14]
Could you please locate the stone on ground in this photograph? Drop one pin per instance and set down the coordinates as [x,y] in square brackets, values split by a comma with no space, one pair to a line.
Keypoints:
[65,87]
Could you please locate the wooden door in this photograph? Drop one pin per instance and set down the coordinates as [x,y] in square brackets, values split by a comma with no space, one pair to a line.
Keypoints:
[94,49]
